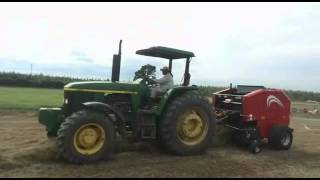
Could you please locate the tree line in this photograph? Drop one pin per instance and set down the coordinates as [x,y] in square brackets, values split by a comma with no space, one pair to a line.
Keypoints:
[38,81]
[58,82]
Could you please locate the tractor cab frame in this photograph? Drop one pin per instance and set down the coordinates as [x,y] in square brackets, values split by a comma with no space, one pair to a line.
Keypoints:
[170,54]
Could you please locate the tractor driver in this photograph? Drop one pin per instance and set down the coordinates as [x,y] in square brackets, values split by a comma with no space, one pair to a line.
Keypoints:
[165,82]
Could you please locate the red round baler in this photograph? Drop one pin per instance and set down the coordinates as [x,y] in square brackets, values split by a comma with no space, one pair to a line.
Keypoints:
[255,113]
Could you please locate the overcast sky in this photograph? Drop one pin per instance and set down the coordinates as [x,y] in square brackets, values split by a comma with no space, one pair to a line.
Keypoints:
[271,44]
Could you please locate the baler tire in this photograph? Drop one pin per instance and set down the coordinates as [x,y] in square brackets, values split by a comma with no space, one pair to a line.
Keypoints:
[168,126]
[239,139]
[255,147]
[276,134]
[68,132]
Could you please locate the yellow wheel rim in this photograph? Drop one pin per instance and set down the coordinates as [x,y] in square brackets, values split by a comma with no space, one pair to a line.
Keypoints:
[89,139]
[192,127]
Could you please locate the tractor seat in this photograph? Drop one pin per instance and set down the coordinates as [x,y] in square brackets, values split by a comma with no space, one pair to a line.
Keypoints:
[159,95]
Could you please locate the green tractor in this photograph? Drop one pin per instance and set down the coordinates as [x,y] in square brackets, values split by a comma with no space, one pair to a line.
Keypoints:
[94,113]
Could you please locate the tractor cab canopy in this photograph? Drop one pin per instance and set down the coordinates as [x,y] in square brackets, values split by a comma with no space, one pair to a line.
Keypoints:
[165,52]
[171,54]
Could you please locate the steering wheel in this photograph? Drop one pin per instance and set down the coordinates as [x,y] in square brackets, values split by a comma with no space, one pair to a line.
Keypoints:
[147,80]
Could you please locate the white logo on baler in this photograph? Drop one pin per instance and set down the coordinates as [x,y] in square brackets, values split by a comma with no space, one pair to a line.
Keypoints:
[271,99]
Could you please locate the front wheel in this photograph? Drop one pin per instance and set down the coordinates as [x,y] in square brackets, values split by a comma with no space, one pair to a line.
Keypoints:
[86,137]
[187,126]
[255,147]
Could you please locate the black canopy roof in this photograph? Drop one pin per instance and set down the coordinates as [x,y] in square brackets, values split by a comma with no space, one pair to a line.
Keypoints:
[165,52]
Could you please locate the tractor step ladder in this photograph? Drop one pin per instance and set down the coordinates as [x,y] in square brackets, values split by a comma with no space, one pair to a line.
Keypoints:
[148,124]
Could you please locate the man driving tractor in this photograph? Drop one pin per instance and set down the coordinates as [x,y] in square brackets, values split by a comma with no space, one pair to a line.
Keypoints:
[165,83]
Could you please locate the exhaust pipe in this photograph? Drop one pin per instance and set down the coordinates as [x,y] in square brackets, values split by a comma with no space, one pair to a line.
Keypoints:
[116,65]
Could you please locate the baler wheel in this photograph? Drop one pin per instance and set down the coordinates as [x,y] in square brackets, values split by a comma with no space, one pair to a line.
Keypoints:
[255,147]
[86,137]
[280,137]
[187,126]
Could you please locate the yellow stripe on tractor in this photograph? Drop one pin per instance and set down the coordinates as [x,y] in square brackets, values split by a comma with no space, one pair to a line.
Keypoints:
[101,91]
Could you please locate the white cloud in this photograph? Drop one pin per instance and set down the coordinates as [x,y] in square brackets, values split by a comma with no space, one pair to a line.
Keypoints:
[231,40]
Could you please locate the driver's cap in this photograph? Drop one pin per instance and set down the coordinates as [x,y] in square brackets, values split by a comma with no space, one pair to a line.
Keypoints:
[164,68]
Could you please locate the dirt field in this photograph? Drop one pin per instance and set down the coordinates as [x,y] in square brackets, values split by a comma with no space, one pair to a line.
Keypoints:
[26,152]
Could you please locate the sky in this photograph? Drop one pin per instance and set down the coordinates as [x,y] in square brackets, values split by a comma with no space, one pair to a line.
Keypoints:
[272,44]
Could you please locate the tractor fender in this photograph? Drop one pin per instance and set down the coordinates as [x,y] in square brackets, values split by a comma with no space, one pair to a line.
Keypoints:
[103,107]
[172,94]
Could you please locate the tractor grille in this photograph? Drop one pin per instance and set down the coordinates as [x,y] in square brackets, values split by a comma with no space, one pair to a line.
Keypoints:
[73,101]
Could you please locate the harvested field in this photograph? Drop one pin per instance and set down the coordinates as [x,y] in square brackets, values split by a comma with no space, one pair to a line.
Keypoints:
[27,152]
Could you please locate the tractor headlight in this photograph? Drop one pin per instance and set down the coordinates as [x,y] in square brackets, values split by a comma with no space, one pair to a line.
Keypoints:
[66,101]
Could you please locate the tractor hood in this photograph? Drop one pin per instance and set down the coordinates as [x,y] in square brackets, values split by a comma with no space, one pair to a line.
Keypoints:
[104,87]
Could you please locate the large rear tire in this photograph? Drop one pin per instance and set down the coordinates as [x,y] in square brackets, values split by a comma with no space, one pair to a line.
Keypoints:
[280,137]
[86,137]
[187,125]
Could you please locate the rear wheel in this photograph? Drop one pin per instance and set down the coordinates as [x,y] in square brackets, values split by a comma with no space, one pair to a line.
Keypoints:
[280,137]
[187,126]
[86,137]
